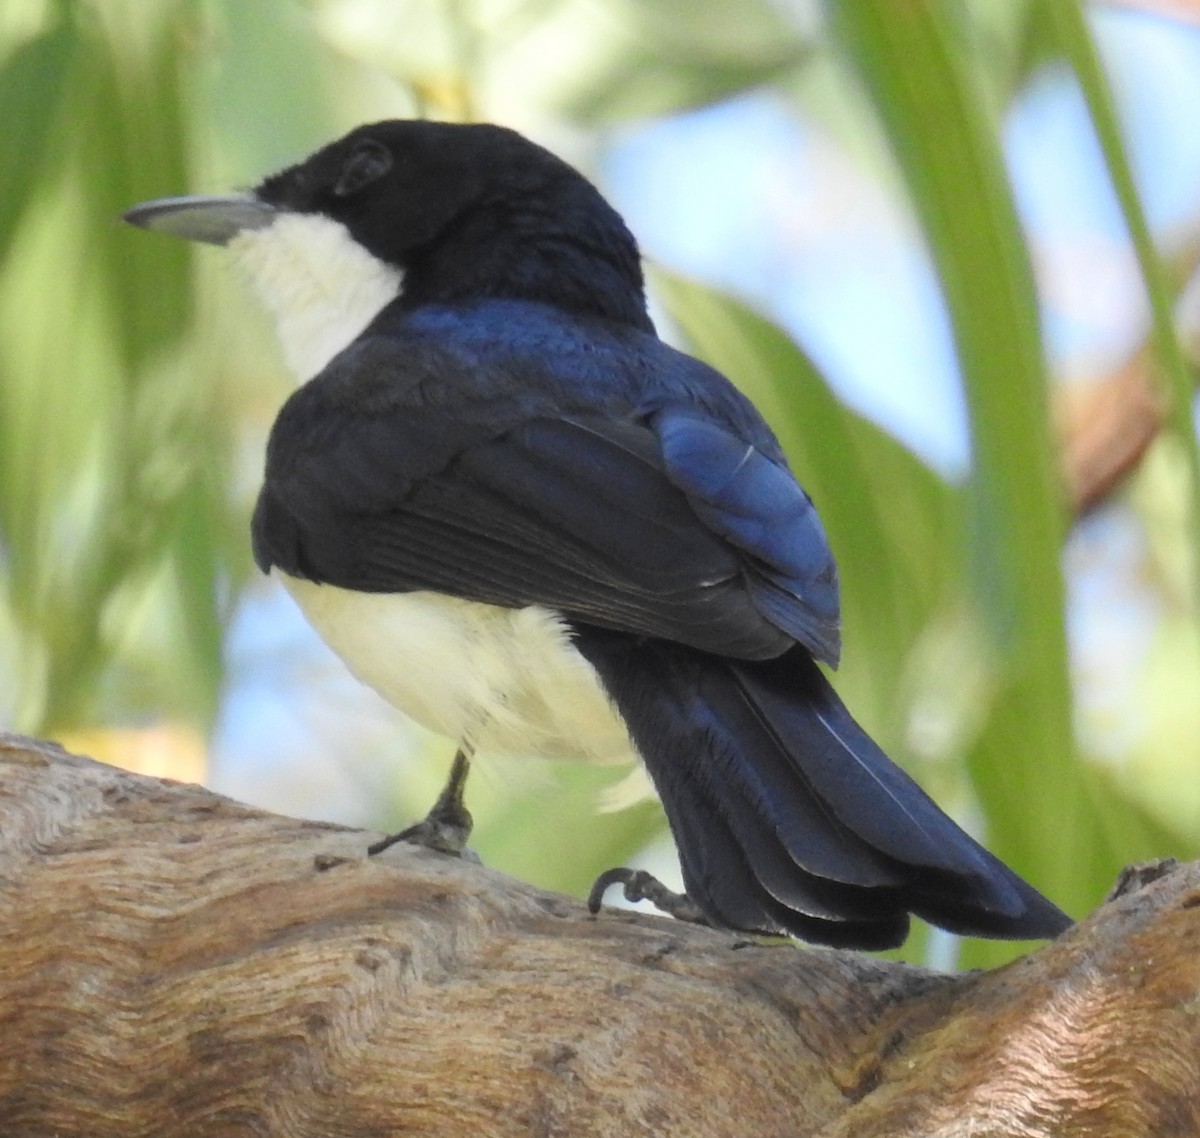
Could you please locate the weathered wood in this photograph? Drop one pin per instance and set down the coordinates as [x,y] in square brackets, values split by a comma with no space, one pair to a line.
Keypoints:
[175,964]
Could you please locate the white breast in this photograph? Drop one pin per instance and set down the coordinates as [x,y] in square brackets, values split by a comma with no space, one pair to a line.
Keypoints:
[507,680]
[322,286]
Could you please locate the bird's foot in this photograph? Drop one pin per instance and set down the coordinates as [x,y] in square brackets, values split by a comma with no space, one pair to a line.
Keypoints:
[638,885]
[447,826]
[435,832]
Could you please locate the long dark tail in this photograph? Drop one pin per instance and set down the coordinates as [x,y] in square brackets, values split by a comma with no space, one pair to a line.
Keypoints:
[788,818]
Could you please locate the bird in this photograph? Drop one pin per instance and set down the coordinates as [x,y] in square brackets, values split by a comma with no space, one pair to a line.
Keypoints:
[535,527]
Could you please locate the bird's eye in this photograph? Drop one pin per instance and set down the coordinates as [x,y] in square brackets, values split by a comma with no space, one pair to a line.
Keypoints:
[368,162]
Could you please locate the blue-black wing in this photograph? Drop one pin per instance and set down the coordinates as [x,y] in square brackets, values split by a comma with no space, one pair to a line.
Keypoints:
[662,509]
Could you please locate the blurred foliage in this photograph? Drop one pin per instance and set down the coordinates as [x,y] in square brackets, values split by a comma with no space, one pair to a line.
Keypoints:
[136,386]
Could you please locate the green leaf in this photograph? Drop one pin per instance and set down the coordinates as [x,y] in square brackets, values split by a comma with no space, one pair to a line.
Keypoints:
[1071,35]
[32,82]
[101,429]
[945,142]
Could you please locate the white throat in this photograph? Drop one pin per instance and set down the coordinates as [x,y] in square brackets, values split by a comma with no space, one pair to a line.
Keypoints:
[321,285]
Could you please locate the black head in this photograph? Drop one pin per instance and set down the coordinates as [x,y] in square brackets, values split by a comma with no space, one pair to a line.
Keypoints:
[469,211]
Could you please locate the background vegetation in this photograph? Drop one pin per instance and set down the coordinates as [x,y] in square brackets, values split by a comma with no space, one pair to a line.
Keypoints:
[137,384]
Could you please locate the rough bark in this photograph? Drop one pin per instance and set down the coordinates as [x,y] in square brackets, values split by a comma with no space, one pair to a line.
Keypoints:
[174,963]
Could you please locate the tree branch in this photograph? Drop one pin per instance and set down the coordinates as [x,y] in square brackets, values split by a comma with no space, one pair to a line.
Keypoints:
[1105,429]
[176,964]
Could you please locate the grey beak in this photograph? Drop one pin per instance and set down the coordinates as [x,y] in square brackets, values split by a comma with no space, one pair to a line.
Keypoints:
[214,219]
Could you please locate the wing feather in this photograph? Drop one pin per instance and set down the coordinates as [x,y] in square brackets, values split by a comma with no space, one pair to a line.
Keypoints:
[513,487]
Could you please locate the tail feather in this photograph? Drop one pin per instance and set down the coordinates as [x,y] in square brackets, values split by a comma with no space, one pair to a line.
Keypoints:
[788,817]
[725,882]
[773,790]
[865,791]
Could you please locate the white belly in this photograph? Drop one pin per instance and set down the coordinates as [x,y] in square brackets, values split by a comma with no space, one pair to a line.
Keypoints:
[508,681]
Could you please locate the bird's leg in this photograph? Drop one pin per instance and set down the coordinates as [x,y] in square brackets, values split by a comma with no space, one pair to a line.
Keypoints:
[638,885]
[447,826]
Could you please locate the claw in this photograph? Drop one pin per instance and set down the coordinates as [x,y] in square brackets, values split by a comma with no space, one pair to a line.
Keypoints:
[638,885]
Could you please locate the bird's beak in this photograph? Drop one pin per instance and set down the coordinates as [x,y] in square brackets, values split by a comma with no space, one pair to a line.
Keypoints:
[214,219]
